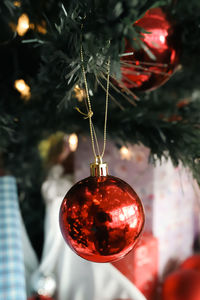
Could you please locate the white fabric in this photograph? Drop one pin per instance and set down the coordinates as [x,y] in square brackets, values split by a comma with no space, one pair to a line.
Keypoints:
[77,279]
[30,258]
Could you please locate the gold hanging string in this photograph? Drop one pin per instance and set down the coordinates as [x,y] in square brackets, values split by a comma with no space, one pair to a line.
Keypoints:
[106,109]
[86,116]
[89,109]
[96,140]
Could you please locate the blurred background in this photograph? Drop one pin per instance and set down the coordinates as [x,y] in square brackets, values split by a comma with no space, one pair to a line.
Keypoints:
[153,142]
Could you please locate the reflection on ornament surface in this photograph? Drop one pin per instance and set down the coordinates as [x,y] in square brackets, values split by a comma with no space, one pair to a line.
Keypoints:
[101,218]
[151,66]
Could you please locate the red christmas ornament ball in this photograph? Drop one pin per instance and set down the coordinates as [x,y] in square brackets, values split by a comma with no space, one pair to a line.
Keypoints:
[192,263]
[101,218]
[151,66]
[182,285]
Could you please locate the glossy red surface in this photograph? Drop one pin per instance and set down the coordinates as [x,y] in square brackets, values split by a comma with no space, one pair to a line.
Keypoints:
[143,72]
[192,263]
[182,285]
[101,218]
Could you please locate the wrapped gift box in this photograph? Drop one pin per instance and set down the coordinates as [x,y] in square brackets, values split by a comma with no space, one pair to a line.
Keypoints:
[173,214]
[141,266]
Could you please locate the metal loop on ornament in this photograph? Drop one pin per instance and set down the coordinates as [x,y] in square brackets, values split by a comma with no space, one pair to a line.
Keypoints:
[98,168]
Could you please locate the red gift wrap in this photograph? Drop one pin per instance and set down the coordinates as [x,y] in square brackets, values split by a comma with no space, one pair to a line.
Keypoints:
[140,266]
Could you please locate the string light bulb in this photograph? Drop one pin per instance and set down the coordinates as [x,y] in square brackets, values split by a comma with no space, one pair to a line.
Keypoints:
[17,3]
[23,24]
[23,88]
[73,142]
[80,94]
[41,28]
[125,153]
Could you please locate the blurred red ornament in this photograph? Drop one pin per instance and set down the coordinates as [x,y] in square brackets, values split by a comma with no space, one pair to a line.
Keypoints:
[182,285]
[101,218]
[192,263]
[183,103]
[151,66]
[175,118]
[40,297]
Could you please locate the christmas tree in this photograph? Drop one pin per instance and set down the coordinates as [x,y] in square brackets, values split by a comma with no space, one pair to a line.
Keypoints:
[42,81]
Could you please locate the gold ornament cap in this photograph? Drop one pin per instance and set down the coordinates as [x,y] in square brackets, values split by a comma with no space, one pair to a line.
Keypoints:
[98,168]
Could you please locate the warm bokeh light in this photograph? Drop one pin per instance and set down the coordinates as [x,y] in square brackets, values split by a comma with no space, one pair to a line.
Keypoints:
[125,153]
[41,28]
[80,94]
[17,3]
[23,24]
[73,142]
[23,88]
